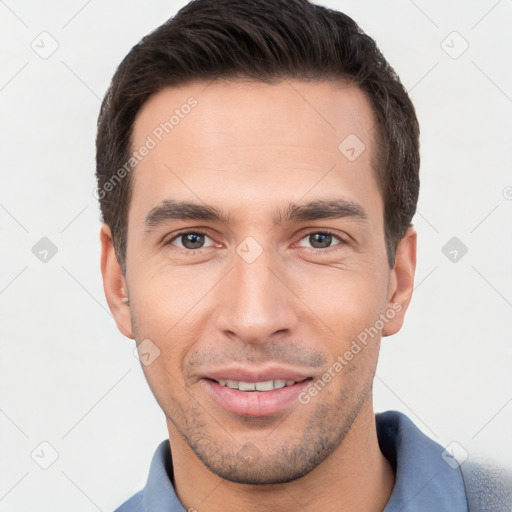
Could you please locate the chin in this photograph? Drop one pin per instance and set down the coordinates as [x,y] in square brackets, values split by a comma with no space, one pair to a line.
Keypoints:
[264,472]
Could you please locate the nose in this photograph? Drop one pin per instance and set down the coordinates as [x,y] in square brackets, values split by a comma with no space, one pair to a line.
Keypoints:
[255,300]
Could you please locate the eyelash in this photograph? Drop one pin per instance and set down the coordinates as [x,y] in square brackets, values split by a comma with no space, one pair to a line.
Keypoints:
[327,249]
[314,250]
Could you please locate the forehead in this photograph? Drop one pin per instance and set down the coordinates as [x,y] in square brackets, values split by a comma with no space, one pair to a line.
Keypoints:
[310,111]
[254,141]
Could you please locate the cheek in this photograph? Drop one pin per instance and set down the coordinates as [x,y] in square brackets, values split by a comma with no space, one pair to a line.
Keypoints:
[165,297]
[175,306]
[343,301]
[167,306]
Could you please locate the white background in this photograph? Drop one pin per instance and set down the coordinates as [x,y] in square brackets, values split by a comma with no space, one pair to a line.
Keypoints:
[68,377]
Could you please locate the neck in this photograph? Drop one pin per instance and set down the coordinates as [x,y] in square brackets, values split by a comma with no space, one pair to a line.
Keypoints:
[355,477]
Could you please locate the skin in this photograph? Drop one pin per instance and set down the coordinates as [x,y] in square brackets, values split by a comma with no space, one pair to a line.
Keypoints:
[249,148]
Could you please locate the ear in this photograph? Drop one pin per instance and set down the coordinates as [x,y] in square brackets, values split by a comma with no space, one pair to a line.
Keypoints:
[401,282]
[114,283]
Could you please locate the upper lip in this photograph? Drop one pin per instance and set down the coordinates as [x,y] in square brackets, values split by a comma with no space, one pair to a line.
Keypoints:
[255,375]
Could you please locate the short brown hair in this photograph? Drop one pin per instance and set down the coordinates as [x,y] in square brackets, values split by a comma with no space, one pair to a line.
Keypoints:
[266,40]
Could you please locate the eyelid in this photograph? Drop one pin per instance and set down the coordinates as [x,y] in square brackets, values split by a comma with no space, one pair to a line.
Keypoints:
[204,232]
[197,231]
[342,240]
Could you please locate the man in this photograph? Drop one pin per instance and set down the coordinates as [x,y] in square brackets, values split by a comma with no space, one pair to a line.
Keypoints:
[257,168]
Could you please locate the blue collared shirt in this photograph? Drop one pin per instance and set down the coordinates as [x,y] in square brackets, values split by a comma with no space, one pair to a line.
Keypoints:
[425,480]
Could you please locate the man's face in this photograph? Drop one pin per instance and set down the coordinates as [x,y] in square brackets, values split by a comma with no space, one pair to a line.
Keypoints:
[272,294]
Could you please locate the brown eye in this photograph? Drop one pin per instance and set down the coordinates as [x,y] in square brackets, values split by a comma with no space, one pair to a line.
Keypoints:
[190,240]
[320,240]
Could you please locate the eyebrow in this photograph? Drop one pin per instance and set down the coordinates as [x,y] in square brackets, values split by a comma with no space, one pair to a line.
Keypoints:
[321,209]
[169,210]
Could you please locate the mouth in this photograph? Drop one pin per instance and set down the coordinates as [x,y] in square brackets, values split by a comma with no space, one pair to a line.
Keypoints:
[250,396]
[264,386]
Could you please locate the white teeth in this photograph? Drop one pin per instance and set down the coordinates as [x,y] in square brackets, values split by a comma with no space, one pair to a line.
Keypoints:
[247,386]
[267,385]
[278,384]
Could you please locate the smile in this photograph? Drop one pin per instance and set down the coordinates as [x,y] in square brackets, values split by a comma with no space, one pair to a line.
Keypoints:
[257,398]
[268,385]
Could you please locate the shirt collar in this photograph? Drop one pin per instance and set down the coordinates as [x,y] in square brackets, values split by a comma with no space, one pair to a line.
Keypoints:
[159,494]
[424,480]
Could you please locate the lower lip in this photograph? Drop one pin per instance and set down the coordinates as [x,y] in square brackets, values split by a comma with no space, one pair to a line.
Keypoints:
[255,403]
